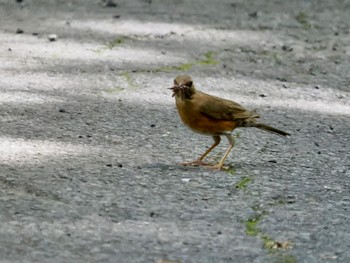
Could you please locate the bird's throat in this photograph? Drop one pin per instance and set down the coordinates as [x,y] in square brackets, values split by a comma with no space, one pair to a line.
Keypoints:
[184,93]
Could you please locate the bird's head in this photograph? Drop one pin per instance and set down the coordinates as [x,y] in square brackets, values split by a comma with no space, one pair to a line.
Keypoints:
[183,87]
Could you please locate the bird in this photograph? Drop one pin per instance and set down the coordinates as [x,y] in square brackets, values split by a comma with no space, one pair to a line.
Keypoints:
[213,116]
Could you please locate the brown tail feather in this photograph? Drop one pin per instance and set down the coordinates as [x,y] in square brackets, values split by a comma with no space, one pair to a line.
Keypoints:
[270,129]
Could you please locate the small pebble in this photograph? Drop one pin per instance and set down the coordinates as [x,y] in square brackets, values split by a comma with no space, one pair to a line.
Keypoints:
[253,14]
[281,79]
[52,37]
[19,31]
[287,48]
[111,3]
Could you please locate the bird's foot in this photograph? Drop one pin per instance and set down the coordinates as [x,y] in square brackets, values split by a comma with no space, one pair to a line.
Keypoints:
[196,163]
[218,167]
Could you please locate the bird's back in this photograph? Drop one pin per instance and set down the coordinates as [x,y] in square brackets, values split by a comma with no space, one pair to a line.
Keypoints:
[211,115]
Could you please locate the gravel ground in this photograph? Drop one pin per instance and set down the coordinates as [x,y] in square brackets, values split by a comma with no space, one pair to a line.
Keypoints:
[90,139]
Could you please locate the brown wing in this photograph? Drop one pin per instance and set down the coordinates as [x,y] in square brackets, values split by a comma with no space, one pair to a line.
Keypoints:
[222,109]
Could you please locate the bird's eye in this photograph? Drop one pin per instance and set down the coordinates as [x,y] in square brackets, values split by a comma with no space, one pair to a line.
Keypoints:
[189,84]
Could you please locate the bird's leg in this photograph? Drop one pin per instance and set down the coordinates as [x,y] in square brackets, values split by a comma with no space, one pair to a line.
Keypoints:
[220,165]
[217,140]
[199,161]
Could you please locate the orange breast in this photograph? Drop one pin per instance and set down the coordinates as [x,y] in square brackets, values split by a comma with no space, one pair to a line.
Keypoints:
[200,123]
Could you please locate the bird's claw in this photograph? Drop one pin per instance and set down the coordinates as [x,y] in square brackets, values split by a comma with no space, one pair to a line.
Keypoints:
[196,163]
[218,167]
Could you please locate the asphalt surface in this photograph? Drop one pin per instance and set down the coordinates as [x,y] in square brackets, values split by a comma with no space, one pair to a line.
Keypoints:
[90,139]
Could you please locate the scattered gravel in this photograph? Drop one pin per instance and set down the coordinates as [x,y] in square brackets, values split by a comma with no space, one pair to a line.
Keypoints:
[90,139]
